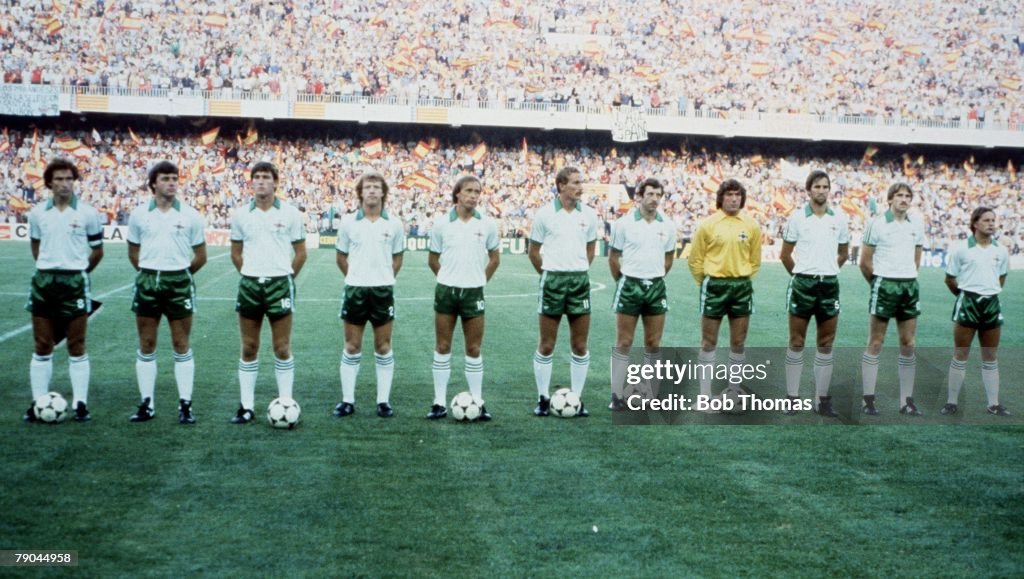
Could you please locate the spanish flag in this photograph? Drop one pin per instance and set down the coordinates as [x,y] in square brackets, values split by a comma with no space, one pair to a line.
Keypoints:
[208,137]
[374,148]
[826,36]
[215,21]
[421,150]
[852,208]
[220,167]
[35,146]
[251,137]
[5,144]
[53,27]
[478,153]
[134,138]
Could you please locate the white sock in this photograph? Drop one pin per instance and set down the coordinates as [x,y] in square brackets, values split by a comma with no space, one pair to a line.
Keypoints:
[794,368]
[284,371]
[475,376]
[385,374]
[957,372]
[442,370]
[990,378]
[822,373]
[40,370]
[247,374]
[145,372]
[736,360]
[349,372]
[619,370]
[542,374]
[703,358]
[185,373]
[650,359]
[907,370]
[869,373]
[78,369]
[578,367]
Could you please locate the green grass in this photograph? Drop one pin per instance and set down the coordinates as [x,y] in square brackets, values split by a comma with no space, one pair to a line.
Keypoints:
[517,496]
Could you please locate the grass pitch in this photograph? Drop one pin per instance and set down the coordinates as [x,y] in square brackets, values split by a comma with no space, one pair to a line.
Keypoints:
[517,496]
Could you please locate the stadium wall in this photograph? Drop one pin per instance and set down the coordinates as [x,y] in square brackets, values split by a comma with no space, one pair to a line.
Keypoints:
[547,116]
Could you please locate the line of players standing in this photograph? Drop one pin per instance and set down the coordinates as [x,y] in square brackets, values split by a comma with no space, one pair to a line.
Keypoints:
[166,245]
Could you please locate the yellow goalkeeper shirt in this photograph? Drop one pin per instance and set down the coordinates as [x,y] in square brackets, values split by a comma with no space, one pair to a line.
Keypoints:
[726,246]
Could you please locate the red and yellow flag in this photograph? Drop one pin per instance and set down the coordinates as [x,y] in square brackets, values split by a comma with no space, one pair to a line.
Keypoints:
[208,137]
[215,21]
[478,153]
[374,148]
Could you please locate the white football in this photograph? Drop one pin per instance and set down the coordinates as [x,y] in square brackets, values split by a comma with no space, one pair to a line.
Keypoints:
[731,401]
[565,403]
[466,407]
[283,413]
[51,408]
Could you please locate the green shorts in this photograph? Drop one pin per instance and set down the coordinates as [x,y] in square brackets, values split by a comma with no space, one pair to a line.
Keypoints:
[976,311]
[640,297]
[273,297]
[57,293]
[814,296]
[169,293]
[564,293]
[457,301]
[894,298]
[368,304]
[726,296]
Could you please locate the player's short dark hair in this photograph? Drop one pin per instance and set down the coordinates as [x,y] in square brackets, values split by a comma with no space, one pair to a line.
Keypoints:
[371,175]
[814,176]
[162,168]
[264,167]
[648,183]
[977,214]
[59,164]
[896,188]
[462,183]
[563,176]
[727,186]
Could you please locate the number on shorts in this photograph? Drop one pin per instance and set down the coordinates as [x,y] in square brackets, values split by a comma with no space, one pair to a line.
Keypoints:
[586,303]
[286,303]
[188,304]
[480,305]
[81,304]
[391,311]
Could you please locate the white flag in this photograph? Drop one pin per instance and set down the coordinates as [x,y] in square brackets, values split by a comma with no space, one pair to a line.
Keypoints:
[96,136]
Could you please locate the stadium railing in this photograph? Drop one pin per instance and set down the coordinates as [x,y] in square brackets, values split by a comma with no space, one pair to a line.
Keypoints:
[548,115]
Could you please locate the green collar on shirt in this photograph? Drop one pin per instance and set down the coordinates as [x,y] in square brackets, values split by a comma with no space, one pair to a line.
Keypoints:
[558,204]
[73,204]
[277,204]
[454,214]
[971,242]
[808,211]
[360,214]
[637,216]
[176,205]
[889,217]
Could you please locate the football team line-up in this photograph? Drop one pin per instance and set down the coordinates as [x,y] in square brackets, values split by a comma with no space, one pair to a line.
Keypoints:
[166,245]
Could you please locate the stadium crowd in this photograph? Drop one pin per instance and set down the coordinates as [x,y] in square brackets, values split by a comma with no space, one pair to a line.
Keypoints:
[317,175]
[920,59]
